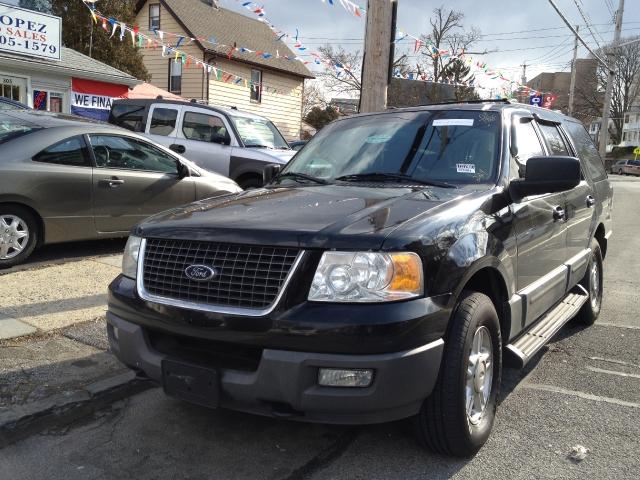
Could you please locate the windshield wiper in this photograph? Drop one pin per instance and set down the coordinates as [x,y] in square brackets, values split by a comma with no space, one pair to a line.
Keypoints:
[302,176]
[257,145]
[392,177]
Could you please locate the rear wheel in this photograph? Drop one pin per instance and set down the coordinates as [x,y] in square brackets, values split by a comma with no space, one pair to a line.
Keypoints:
[458,416]
[593,284]
[18,235]
[620,172]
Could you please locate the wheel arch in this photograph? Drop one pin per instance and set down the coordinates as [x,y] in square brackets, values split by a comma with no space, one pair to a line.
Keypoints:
[487,277]
[600,236]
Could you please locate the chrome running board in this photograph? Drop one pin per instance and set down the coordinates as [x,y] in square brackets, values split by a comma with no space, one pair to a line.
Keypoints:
[528,344]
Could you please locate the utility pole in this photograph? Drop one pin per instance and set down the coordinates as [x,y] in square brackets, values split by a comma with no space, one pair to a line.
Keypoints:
[611,56]
[572,88]
[524,73]
[377,59]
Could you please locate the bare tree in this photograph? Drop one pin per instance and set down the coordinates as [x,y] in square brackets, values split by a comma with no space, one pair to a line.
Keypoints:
[343,72]
[626,87]
[447,33]
[314,96]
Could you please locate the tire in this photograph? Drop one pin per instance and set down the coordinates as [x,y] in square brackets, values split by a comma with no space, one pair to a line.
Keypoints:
[443,424]
[619,172]
[18,226]
[593,283]
[250,182]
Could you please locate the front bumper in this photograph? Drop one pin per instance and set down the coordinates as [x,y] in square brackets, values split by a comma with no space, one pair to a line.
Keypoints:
[285,382]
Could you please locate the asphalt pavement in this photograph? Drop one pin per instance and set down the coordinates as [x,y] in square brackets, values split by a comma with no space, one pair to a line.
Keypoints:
[581,392]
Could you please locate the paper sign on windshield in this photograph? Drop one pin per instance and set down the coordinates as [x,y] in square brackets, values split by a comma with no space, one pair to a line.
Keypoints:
[451,122]
[465,168]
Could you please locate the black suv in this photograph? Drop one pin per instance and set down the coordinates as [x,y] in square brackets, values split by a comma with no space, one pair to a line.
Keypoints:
[381,274]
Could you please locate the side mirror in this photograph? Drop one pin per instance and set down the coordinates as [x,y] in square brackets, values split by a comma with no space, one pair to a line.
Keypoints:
[269,172]
[547,175]
[183,170]
[221,139]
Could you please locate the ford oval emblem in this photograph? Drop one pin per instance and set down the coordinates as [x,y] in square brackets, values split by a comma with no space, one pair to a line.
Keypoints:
[199,273]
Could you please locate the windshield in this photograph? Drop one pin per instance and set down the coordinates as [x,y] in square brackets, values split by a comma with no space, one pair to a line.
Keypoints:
[449,146]
[11,128]
[258,132]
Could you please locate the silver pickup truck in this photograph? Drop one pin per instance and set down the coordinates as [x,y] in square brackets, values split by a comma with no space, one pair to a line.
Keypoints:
[227,141]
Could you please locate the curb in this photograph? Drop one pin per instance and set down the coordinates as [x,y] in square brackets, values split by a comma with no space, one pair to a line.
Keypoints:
[25,420]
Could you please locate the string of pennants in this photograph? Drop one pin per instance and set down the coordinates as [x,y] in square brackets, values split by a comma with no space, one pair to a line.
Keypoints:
[114,26]
[349,6]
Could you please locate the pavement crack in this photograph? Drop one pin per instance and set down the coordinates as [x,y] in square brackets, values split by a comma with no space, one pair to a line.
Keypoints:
[326,456]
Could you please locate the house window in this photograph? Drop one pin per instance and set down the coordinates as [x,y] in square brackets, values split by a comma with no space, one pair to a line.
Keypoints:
[154,16]
[175,76]
[256,85]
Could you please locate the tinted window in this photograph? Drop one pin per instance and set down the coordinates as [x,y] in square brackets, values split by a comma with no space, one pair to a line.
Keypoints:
[130,153]
[554,140]
[587,151]
[68,152]
[163,121]
[459,147]
[203,127]
[527,144]
[128,116]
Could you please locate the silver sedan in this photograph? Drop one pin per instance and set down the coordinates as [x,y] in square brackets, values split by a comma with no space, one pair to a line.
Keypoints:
[63,178]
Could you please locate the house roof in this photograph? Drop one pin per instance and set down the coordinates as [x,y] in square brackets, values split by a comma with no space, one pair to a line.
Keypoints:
[229,28]
[74,64]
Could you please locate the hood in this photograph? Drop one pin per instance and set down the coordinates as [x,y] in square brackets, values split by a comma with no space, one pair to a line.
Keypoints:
[324,216]
[271,155]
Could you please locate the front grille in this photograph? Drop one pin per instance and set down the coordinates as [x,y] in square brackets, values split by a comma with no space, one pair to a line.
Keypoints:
[246,276]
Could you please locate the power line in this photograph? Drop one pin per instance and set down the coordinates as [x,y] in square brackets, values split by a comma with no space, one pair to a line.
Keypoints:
[586,21]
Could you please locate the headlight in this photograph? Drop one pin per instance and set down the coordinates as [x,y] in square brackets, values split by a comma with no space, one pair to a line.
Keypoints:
[367,277]
[130,257]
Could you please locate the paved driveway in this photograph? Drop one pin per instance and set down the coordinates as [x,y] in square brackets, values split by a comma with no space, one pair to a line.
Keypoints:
[583,390]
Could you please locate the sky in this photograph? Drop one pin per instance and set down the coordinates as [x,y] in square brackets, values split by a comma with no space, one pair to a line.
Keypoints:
[514,31]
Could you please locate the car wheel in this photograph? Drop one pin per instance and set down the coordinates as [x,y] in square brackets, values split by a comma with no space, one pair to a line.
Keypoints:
[456,419]
[593,284]
[619,172]
[18,235]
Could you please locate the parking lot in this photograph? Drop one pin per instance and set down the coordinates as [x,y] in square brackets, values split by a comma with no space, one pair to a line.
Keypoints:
[582,390]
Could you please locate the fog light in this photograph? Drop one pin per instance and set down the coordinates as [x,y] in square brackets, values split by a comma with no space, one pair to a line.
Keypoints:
[338,377]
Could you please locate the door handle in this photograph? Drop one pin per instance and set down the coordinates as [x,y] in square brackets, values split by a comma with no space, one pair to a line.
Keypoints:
[590,201]
[178,148]
[558,213]
[112,182]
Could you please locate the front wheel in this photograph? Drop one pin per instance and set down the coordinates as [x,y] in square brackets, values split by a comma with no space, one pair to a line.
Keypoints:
[456,419]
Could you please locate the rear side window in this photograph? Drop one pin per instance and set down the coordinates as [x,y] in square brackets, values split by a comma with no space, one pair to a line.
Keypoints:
[203,127]
[72,152]
[163,121]
[553,139]
[128,116]
[587,151]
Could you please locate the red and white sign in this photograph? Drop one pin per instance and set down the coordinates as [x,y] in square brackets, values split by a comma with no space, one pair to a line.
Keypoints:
[90,98]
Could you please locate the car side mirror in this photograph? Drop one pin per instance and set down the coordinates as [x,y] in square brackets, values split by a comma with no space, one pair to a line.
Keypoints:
[221,139]
[269,172]
[547,175]
[183,170]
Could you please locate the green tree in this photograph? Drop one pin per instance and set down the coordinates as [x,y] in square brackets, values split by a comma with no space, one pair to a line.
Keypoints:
[319,117]
[77,28]
[43,6]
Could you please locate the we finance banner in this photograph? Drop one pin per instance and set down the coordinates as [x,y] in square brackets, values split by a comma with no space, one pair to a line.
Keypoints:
[93,99]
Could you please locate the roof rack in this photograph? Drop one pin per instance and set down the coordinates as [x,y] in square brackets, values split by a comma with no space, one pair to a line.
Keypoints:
[484,100]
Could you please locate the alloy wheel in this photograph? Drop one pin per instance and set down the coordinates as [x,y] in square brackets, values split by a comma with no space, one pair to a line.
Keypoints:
[594,283]
[479,375]
[14,236]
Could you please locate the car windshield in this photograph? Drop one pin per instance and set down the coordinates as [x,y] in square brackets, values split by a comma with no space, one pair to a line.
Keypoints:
[258,132]
[11,128]
[448,147]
